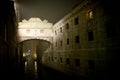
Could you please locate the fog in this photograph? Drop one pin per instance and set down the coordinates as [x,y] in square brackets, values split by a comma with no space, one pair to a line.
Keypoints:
[52,10]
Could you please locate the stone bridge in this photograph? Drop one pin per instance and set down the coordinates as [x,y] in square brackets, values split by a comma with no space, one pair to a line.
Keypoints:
[46,38]
[35,28]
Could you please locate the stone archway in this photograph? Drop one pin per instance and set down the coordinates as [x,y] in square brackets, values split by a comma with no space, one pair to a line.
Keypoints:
[32,51]
[34,38]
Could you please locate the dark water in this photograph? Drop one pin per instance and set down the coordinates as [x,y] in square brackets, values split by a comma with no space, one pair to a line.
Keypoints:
[46,73]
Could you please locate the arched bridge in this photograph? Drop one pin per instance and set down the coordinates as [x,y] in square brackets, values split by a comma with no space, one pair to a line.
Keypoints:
[35,28]
[47,38]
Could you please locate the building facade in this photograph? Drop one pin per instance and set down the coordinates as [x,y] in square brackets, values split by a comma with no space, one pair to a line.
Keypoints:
[8,40]
[86,41]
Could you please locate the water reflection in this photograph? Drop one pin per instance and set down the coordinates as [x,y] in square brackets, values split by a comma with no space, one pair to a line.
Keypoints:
[46,73]
[37,71]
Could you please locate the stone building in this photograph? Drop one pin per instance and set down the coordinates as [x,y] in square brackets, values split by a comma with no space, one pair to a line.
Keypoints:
[86,41]
[8,39]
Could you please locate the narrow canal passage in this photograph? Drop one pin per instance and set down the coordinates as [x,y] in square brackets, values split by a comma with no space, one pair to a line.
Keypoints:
[32,51]
[46,73]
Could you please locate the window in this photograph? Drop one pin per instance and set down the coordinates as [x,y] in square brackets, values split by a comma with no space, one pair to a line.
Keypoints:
[60,59]
[67,40]
[67,26]
[49,58]
[55,59]
[76,21]
[27,30]
[60,29]
[77,39]
[91,64]
[67,61]
[41,31]
[77,62]
[89,14]
[90,36]
[52,58]
[61,43]
[55,32]
[56,44]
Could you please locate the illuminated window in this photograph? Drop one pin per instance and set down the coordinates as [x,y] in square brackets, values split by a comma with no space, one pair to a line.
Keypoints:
[90,14]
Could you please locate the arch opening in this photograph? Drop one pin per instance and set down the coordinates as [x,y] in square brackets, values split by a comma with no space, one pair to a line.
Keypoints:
[31,52]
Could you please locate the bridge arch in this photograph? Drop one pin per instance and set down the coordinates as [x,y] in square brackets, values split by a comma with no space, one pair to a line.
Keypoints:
[32,51]
[35,40]
[36,36]
[25,38]
[37,48]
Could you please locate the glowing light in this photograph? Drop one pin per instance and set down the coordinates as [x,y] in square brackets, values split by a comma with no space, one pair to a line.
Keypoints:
[35,23]
[24,54]
[35,66]
[35,55]
[34,28]
[25,65]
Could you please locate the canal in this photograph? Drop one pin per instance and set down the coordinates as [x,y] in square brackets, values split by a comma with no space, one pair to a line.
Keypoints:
[46,73]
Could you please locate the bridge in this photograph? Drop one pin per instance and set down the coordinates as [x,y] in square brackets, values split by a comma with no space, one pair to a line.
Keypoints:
[35,28]
[34,39]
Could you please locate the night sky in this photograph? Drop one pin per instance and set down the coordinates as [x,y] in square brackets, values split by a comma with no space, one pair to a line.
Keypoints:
[52,10]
